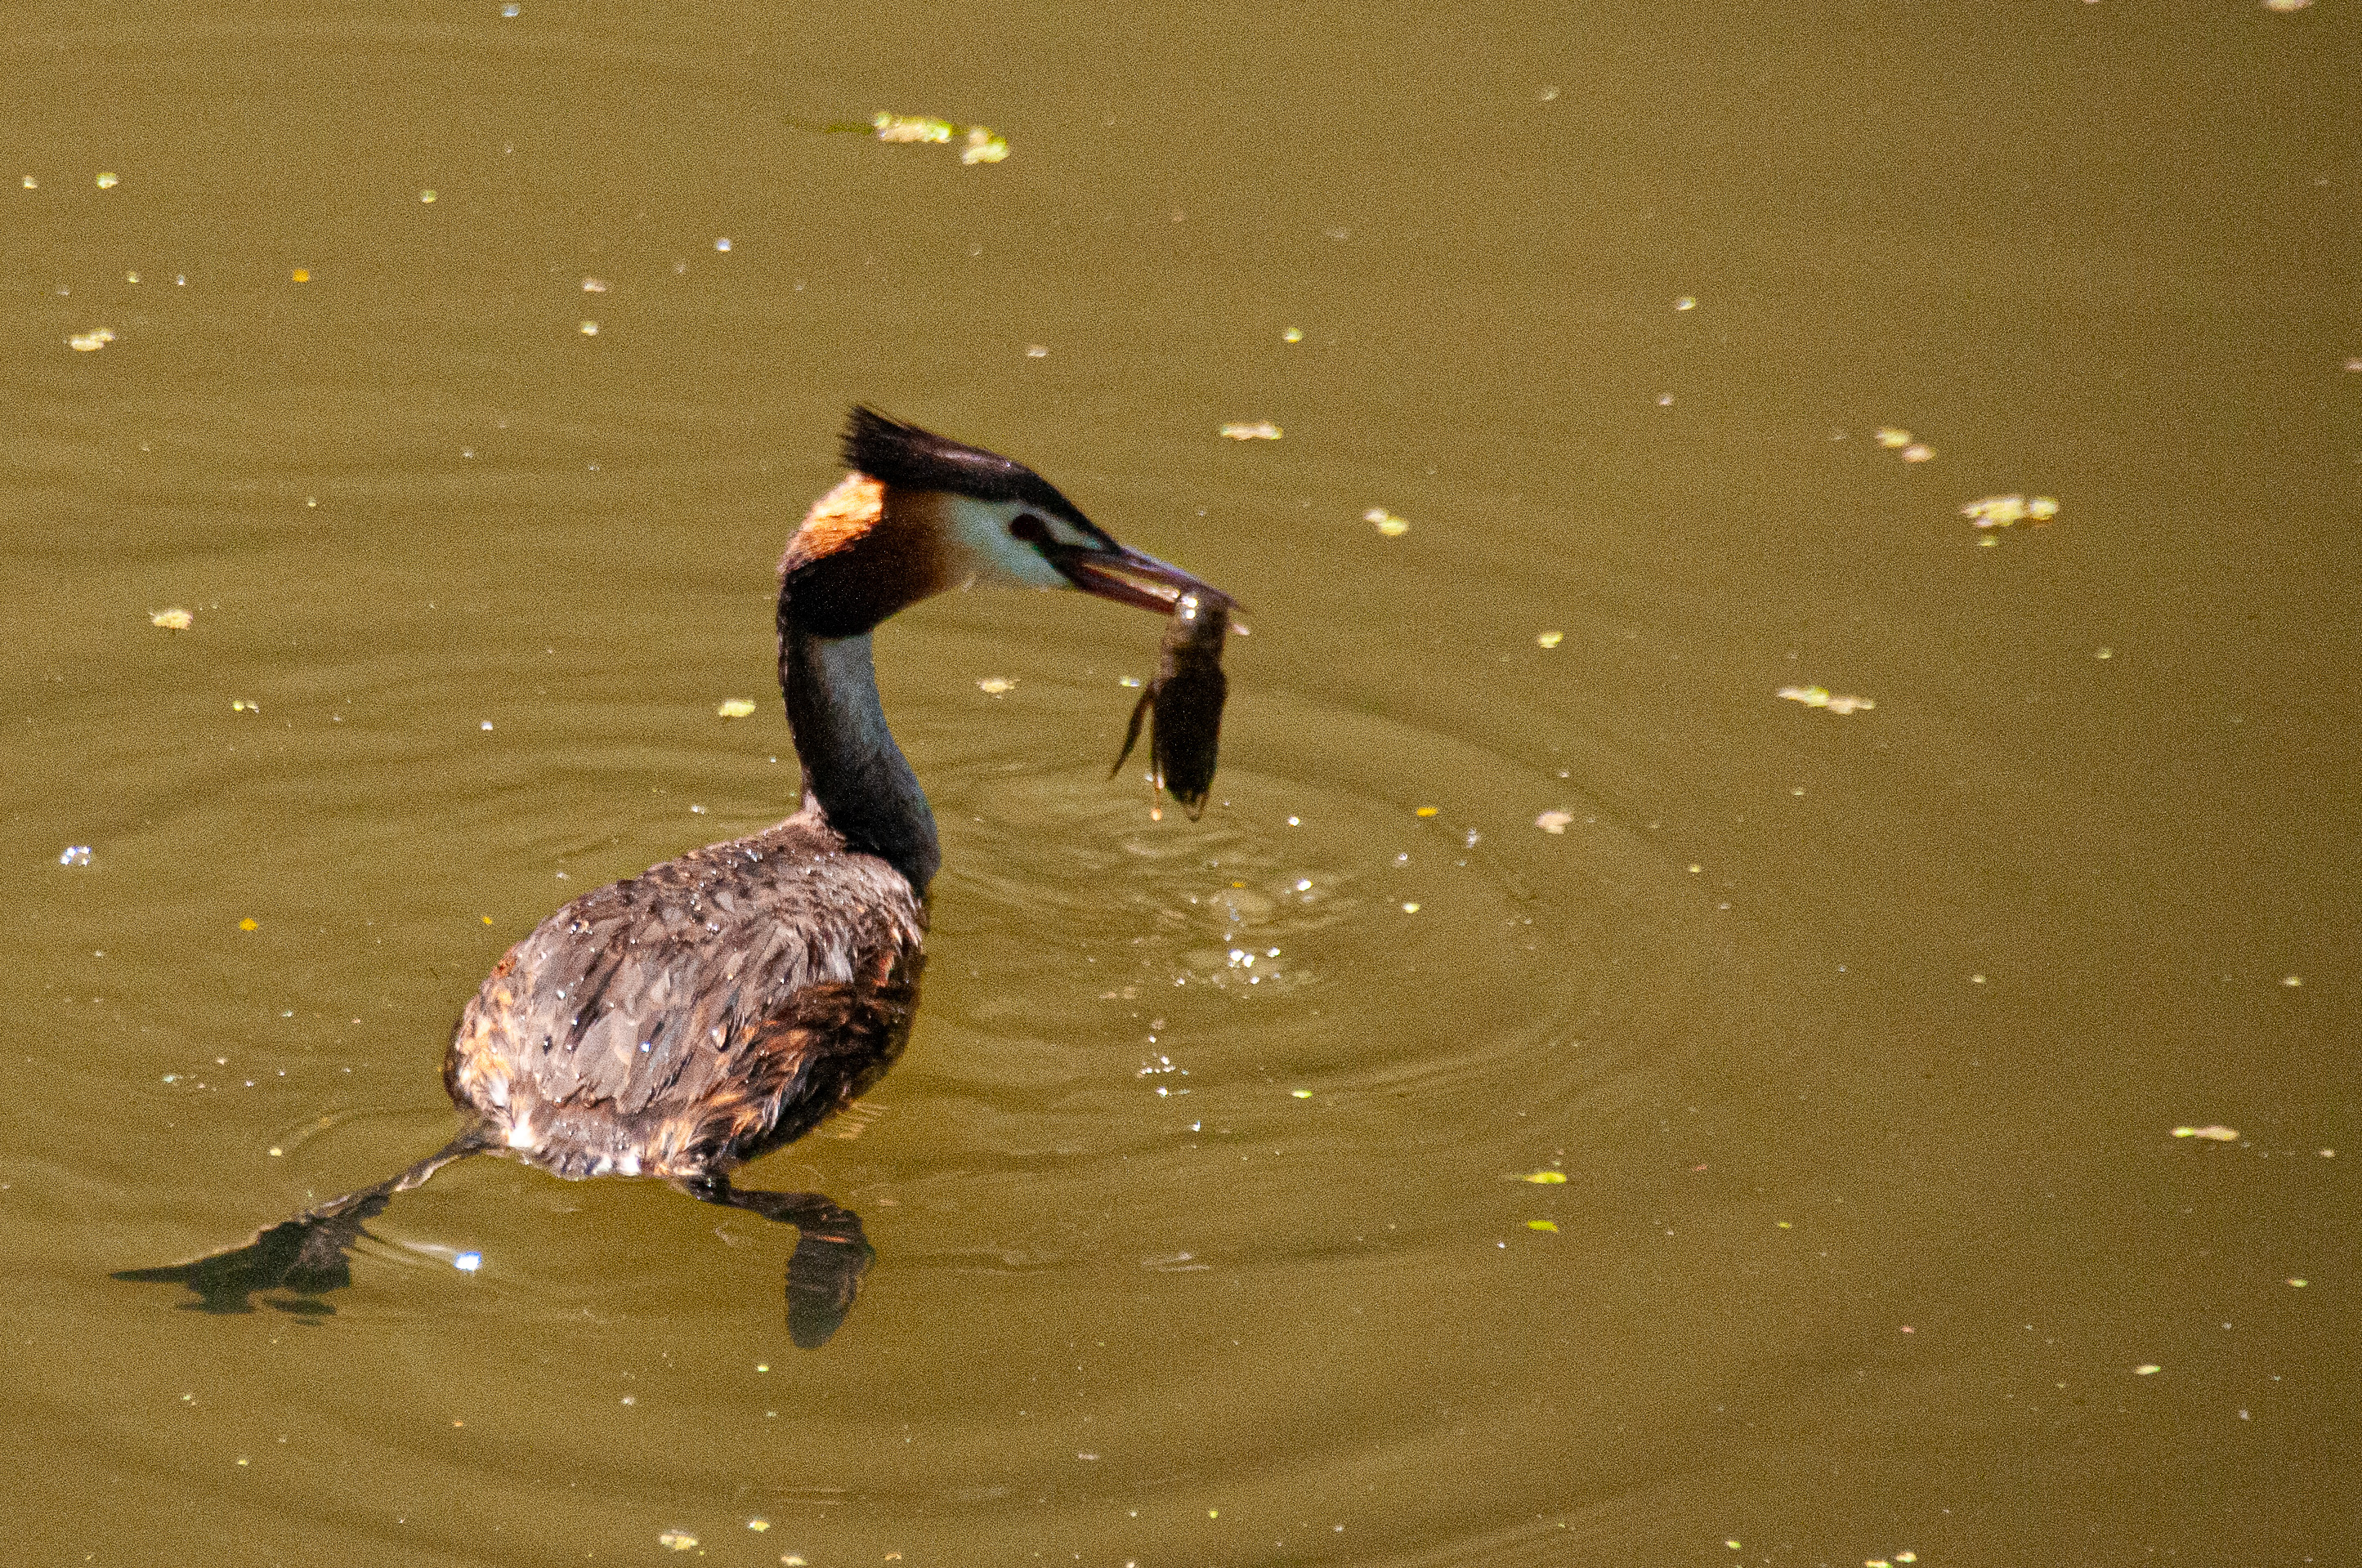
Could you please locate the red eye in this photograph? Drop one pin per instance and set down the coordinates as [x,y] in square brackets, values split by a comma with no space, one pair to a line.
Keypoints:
[1030,529]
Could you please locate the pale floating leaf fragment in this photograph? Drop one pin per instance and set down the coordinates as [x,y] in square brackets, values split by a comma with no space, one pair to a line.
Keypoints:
[676,1540]
[910,128]
[1300,1093]
[1544,1225]
[173,620]
[1037,351]
[983,145]
[1906,1557]
[589,329]
[2212,1133]
[1919,452]
[2147,1369]
[427,197]
[1260,430]
[240,705]
[1549,639]
[758,1526]
[735,708]
[108,179]
[721,243]
[1554,821]
[90,342]
[2285,6]
[996,685]
[1545,1178]
[2299,1283]
[2292,979]
[1822,696]
[1411,909]
[1387,522]
[595,285]
[1888,437]
[2041,508]
[1998,511]
[33,184]
[1293,334]
[1686,302]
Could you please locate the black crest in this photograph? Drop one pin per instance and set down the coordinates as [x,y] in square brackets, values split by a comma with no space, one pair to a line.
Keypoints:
[906,456]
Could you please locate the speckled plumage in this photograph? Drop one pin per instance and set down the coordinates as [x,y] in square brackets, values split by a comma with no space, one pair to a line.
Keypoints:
[692,1017]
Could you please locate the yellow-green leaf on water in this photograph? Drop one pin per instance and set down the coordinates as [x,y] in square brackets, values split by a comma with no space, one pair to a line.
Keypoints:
[1260,430]
[1541,1225]
[1387,522]
[1549,639]
[1888,437]
[910,128]
[173,620]
[735,708]
[677,1540]
[983,146]
[1301,1093]
[1545,1178]
[2214,1133]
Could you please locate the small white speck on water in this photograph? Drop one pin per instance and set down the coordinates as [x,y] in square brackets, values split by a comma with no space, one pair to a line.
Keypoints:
[468,1262]
[487,725]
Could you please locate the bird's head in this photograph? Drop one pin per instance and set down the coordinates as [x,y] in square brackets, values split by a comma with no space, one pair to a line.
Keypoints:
[919,513]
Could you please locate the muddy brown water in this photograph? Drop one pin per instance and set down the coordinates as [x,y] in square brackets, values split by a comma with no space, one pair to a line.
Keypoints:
[1860,1039]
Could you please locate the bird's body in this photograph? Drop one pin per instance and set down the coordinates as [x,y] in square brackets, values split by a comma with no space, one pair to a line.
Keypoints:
[721,1004]
[698,1014]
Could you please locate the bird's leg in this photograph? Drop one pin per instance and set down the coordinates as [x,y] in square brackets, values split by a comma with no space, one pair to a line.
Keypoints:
[304,1256]
[825,1271]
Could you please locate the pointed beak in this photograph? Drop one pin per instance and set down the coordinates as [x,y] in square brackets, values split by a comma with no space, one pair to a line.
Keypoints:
[1127,576]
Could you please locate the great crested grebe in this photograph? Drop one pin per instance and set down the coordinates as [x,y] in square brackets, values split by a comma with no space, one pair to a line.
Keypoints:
[721,1004]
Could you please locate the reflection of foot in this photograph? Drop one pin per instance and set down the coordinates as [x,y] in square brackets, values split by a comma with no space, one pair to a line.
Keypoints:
[825,1271]
[304,1256]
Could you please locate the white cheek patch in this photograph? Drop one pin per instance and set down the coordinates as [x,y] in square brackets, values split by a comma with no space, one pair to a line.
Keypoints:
[980,529]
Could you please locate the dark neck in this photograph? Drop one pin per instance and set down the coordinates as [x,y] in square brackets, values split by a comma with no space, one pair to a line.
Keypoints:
[854,773]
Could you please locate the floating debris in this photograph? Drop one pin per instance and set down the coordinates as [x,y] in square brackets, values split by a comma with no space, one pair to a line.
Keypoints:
[1293,334]
[466,1262]
[240,705]
[1686,302]
[1888,437]
[1261,430]
[595,285]
[676,1540]
[2285,6]
[250,923]
[2147,1369]
[996,685]
[1554,821]
[983,145]
[1387,522]
[90,342]
[1822,696]
[76,855]
[589,329]
[1542,1225]
[299,275]
[173,620]
[2213,1134]
[1917,452]
[1545,1178]
[109,180]
[735,708]
[910,127]
[2009,511]
[426,196]
[1549,639]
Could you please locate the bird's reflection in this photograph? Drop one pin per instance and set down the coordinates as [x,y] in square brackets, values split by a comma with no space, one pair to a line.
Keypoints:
[291,1266]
